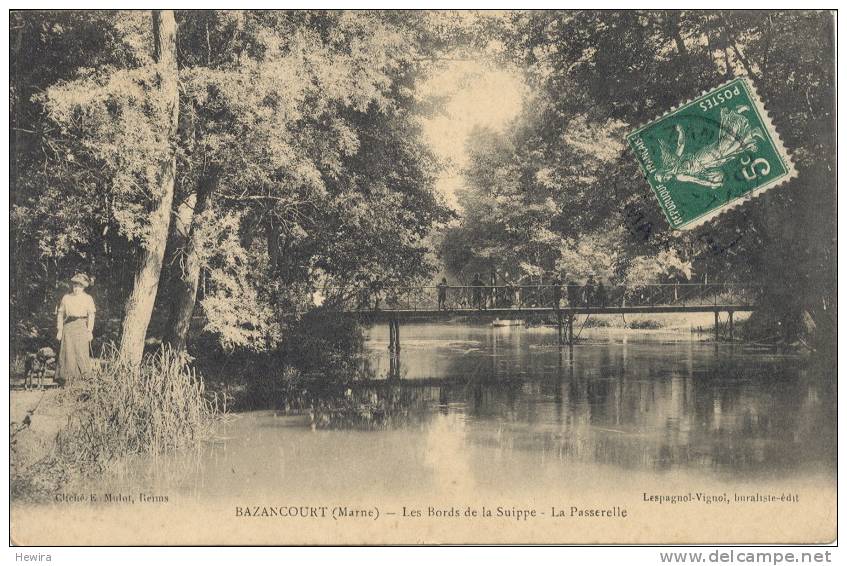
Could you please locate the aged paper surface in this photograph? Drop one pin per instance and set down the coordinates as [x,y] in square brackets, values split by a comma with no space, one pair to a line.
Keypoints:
[394,277]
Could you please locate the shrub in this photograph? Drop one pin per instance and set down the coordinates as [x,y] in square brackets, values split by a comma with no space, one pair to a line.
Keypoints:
[326,342]
[646,324]
[121,410]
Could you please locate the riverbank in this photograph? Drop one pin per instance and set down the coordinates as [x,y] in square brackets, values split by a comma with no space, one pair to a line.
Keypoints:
[35,420]
[117,412]
[681,322]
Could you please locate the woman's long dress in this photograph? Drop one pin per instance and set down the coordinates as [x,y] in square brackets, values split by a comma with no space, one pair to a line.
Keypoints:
[74,356]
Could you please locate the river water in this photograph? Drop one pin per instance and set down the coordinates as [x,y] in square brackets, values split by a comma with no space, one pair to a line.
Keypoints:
[474,416]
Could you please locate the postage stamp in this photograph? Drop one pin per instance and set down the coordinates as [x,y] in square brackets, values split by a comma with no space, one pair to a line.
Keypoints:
[711,154]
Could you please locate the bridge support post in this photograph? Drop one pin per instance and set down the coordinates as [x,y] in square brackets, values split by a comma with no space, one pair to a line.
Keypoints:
[717,320]
[394,335]
[731,325]
[394,366]
[559,325]
[570,328]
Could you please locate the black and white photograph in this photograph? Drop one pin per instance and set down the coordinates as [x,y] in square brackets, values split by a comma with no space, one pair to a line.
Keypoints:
[374,277]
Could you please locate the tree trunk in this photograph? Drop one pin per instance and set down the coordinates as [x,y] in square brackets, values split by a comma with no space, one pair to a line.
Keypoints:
[139,306]
[184,290]
[744,62]
[676,36]
[732,43]
[274,249]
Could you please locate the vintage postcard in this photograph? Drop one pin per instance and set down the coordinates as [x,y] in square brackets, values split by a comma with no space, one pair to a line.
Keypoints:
[333,277]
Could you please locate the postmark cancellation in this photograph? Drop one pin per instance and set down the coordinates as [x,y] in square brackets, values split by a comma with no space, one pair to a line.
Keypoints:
[711,154]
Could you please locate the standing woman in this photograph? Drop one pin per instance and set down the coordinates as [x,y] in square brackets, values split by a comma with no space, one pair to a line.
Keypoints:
[75,324]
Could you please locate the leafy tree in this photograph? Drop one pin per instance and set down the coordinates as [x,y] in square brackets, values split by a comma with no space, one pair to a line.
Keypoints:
[117,127]
[327,164]
[604,73]
[299,160]
[62,200]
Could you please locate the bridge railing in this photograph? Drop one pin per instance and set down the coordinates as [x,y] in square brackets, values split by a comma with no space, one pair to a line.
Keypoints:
[469,297]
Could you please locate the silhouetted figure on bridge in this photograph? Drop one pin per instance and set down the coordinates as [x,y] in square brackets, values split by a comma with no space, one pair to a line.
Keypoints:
[600,295]
[557,292]
[442,294]
[363,299]
[509,292]
[375,293]
[588,292]
[477,295]
[573,293]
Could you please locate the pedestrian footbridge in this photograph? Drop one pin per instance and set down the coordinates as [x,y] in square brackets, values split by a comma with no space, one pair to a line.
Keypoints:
[557,303]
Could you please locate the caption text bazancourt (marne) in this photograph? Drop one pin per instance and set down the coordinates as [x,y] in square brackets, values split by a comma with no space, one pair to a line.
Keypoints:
[344,512]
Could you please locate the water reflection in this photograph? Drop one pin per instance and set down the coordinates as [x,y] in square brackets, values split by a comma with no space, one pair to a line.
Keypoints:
[465,409]
[648,401]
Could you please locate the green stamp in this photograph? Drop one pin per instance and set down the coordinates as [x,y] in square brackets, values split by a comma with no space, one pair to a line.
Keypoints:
[711,154]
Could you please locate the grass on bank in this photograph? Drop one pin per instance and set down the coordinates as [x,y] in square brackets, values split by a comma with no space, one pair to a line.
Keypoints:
[121,411]
[115,413]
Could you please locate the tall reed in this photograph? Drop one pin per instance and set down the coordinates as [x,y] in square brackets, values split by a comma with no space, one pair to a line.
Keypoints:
[123,410]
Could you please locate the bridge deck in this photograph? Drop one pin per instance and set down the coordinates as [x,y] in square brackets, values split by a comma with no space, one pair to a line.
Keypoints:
[519,312]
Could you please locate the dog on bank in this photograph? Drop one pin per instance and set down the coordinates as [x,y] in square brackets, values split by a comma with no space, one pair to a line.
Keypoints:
[40,365]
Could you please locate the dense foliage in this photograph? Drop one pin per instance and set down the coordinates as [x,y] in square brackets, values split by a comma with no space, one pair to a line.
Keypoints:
[560,192]
[299,161]
[301,167]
